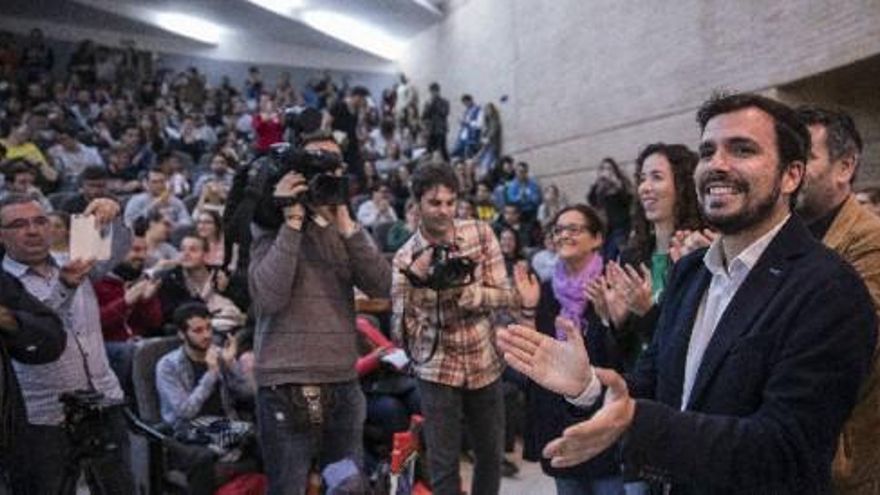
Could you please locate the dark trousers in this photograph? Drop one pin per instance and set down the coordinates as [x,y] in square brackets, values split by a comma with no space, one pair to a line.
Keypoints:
[438,142]
[43,453]
[290,442]
[482,411]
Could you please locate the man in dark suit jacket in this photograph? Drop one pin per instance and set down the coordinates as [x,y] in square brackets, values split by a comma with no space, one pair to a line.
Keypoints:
[435,123]
[30,333]
[762,342]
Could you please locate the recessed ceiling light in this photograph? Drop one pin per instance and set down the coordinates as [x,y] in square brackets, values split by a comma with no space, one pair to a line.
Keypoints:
[190,26]
[282,7]
[354,32]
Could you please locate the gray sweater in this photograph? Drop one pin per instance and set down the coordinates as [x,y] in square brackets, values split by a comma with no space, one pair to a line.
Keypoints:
[302,285]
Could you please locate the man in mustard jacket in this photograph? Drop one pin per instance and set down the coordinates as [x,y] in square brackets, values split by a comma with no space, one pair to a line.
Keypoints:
[829,206]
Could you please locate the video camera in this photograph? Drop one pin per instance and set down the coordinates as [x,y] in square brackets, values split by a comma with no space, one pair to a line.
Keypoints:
[317,166]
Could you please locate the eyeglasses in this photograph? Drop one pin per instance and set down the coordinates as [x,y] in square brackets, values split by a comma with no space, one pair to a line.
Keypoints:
[571,229]
[23,223]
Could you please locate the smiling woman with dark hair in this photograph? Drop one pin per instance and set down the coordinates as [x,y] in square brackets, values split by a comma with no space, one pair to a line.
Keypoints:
[559,306]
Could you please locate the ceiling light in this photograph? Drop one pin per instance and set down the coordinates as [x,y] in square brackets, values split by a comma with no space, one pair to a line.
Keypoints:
[190,26]
[282,7]
[354,32]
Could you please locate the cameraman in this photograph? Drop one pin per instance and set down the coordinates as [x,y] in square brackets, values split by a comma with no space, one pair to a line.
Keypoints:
[302,277]
[462,377]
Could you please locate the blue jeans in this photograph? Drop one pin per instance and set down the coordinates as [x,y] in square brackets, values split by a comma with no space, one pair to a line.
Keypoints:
[290,442]
[444,408]
[612,485]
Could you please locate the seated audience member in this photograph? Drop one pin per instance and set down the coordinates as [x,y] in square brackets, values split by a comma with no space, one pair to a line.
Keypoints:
[200,378]
[122,173]
[510,249]
[378,208]
[392,396]
[528,233]
[194,280]
[189,142]
[20,178]
[196,380]
[486,210]
[524,192]
[72,157]
[158,197]
[140,154]
[553,201]
[544,261]
[402,230]
[465,209]
[161,255]
[92,185]
[18,144]
[220,176]
[130,308]
[209,226]
[59,235]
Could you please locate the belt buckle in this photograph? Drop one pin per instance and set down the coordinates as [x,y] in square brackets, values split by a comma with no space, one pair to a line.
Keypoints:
[312,394]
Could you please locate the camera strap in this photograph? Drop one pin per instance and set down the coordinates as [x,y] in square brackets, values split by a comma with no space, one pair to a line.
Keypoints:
[416,282]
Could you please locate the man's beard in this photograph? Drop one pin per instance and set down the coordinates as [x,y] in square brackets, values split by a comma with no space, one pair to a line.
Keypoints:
[127,272]
[749,216]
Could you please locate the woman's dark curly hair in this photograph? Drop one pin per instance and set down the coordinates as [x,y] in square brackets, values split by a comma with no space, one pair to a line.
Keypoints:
[682,163]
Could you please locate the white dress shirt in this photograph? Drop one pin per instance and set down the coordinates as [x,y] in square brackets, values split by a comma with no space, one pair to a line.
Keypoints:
[726,281]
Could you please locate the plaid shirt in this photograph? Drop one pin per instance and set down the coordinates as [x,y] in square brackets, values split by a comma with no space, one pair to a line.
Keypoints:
[466,355]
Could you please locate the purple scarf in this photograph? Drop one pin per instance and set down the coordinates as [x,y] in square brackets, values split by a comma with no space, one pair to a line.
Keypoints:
[570,291]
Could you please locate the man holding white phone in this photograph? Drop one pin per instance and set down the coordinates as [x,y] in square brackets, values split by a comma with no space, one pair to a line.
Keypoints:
[67,290]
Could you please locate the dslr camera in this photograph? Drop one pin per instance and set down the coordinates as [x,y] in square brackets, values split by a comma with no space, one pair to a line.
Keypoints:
[446,271]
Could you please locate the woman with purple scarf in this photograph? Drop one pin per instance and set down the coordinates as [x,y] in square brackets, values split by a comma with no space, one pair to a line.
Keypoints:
[555,304]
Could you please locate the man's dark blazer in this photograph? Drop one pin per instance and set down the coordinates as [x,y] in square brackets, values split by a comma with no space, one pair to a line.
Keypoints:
[777,380]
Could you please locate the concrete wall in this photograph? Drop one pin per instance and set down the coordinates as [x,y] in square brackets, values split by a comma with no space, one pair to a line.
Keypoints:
[586,79]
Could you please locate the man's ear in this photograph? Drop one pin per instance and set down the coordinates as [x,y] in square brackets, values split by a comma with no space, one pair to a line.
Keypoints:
[793,177]
[846,167]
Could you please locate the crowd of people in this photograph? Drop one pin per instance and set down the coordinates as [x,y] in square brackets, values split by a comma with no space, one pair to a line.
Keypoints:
[286,344]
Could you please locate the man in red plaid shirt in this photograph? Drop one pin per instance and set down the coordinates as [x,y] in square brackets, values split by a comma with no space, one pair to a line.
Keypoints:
[450,336]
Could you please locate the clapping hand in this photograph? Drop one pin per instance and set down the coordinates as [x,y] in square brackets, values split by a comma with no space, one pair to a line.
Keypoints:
[560,366]
[608,302]
[636,287]
[584,441]
[527,285]
[685,242]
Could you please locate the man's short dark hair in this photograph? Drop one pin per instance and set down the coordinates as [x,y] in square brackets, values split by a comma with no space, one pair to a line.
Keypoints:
[841,135]
[466,98]
[156,169]
[93,172]
[186,312]
[360,91]
[523,165]
[506,159]
[430,175]
[18,166]
[434,87]
[206,246]
[792,137]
